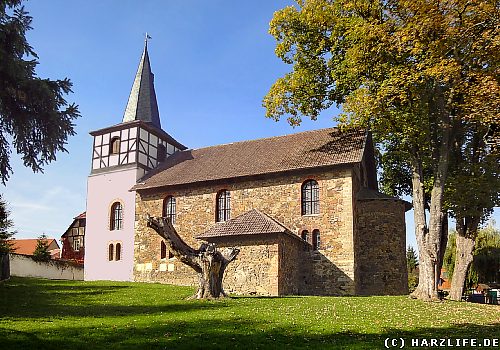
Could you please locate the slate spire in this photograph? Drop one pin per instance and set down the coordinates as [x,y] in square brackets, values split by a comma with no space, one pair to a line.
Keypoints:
[142,103]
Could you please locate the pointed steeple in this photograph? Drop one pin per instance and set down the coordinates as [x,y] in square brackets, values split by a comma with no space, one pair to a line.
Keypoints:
[142,103]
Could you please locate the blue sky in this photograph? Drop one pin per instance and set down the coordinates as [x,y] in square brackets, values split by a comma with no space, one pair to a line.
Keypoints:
[213,63]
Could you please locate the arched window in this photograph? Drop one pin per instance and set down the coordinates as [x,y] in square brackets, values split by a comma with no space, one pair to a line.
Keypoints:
[114,146]
[161,153]
[118,252]
[223,206]
[163,250]
[310,197]
[116,217]
[111,250]
[169,208]
[316,240]
[305,235]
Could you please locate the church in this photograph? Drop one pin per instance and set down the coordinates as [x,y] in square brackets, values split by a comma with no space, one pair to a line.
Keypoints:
[304,209]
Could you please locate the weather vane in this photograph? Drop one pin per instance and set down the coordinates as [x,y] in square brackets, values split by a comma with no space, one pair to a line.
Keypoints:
[147,38]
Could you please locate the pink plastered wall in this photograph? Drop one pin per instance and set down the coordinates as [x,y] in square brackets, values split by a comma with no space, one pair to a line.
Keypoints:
[102,191]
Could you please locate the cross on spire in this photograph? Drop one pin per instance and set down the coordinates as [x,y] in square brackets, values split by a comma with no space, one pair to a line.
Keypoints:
[147,37]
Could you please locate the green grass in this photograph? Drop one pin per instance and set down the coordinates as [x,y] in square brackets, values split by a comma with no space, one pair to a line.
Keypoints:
[44,314]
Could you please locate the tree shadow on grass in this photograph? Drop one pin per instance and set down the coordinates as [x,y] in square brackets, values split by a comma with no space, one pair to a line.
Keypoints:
[223,333]
[36,298]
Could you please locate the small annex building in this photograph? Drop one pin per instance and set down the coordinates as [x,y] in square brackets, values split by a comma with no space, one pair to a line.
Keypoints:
[304,208]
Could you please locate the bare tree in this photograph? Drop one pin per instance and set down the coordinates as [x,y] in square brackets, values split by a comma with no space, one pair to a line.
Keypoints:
[208,262]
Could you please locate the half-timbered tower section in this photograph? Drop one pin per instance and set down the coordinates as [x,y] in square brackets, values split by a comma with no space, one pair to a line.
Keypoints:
[122,154]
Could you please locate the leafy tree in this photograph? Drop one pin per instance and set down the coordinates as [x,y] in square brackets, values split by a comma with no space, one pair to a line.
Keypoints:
[41,252]
[412,264]
[6,225]
[411,259]
[473,190]
[416,72]
[485,264]
[34,114]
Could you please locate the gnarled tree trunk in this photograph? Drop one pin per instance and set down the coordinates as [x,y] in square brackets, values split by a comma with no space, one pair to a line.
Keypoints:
[207,261]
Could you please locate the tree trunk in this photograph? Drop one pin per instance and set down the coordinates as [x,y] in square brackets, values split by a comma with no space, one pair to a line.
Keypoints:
[207,261]
[463,259]
[426,289]
[466,233]
[429,238]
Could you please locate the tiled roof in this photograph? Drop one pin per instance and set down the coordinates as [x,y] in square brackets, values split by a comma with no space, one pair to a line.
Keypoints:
[27,246]
[250,223]
[310,149]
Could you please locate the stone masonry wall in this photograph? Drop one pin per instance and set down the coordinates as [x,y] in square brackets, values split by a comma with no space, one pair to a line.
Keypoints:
[381,258]
[261,275]
[290,258]
[278,197]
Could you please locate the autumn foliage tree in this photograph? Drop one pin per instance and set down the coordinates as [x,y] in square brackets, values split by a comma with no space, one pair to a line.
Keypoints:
[416,72]
[34,116]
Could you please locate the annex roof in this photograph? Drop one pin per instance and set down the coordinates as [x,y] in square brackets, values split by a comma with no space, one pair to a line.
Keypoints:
[252,222]
[304,150]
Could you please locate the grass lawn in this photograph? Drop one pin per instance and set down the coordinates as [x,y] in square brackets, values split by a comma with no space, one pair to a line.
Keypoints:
[44,314]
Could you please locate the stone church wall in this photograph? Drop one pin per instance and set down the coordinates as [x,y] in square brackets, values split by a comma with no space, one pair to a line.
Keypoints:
[381,257]
[255,270]
[278,197]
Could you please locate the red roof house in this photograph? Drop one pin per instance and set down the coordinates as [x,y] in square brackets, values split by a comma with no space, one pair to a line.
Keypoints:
[28,246]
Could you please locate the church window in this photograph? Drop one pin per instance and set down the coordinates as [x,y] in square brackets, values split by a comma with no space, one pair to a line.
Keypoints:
[161,153]
[305,235]
[169,208]
[310,197]
[316,240]
[118,252]
[116,220]
[223,206]
[114,146]
[111,250]
[163,250]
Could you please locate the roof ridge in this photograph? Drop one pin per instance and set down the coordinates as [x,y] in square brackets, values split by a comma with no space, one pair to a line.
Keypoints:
[263,138]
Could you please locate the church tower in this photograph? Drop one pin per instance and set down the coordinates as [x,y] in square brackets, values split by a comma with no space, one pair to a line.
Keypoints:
[121,155]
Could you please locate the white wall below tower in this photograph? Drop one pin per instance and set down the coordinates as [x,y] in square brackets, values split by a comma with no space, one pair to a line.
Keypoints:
[102,191]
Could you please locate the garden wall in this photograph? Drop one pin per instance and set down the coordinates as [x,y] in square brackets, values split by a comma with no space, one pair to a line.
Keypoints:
[25,266]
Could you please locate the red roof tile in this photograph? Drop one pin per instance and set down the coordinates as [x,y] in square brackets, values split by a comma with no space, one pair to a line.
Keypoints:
[310,149]
[27,246]
[81,216]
